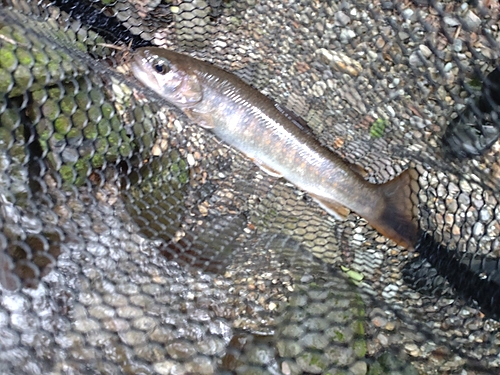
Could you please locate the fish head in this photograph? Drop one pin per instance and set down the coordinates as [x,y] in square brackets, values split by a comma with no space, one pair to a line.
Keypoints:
[169,74]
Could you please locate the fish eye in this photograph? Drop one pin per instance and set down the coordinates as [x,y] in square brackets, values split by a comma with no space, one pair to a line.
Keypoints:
[161,67]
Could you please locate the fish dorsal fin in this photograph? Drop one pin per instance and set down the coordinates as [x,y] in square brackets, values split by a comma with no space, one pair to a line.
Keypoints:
[298,121]
[337,210]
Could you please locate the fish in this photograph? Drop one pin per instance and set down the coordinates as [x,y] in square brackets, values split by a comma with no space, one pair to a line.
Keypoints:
[250,122]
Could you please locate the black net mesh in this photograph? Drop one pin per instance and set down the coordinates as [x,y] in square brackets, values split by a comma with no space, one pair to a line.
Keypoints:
[135,242]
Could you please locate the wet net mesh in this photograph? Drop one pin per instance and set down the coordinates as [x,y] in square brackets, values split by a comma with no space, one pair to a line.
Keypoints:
[135,242]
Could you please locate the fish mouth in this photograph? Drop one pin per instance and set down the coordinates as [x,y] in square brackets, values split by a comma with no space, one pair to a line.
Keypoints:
[176,86]
[142,70]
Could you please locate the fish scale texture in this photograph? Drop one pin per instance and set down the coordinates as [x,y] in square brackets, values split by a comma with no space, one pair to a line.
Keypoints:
[135,242]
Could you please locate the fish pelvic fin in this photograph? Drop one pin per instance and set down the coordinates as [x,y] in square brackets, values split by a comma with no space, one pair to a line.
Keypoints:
[394,218]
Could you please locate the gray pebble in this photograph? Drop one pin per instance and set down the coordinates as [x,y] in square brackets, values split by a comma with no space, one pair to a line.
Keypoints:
[478,229]
[425,51]
[403,35]
[304,19]
[387,5]
[346,35]
[485,214]
[451,21]
[407,13]
[342,19]
[416,59]
[320,27]
[181,350]
[359,368]
[471,20]
[86,325]
[165,368]
[318,89]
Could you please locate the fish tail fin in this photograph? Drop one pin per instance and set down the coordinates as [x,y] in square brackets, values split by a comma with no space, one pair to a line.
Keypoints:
[394,219]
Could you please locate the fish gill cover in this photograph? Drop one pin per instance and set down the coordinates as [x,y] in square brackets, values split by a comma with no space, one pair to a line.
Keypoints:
[134,242]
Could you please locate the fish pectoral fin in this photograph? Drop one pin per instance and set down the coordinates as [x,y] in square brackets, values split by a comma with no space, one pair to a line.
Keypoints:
[337,210]
[270,171]
[202,119]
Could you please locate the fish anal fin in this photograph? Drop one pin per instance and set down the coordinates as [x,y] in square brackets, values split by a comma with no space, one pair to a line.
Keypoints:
[337,210]
[270,171]
[358,169]
[394,218]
